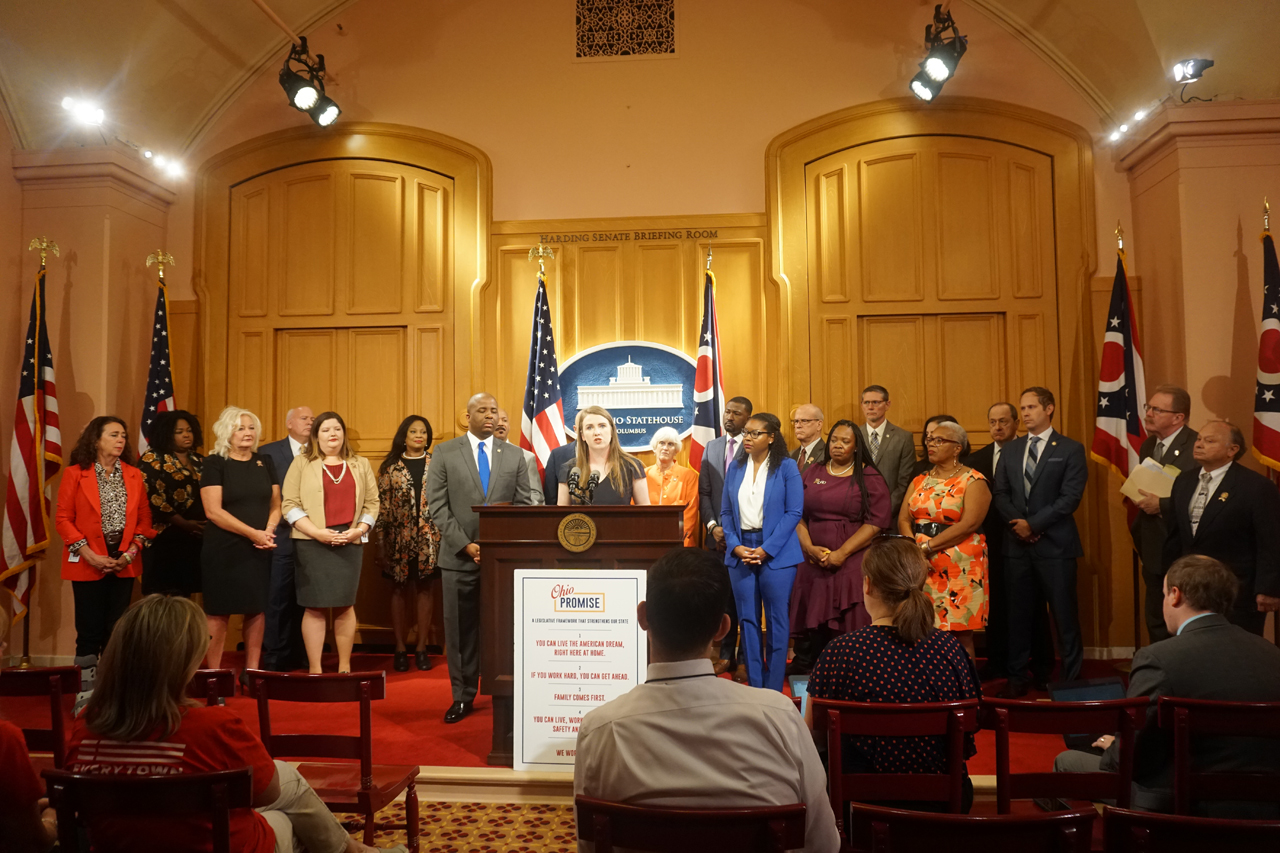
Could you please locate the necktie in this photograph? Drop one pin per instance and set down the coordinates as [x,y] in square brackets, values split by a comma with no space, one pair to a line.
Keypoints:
[1200,501]
[728,454]
[1158,455]
[1033,456]
[804,459]
[875,445]
[482,462]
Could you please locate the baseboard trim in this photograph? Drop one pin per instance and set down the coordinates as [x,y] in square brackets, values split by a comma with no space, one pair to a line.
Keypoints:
[1108,652]
[494,785]
[39,660]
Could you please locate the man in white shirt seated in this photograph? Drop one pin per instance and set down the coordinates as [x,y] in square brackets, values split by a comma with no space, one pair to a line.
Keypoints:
[688,739]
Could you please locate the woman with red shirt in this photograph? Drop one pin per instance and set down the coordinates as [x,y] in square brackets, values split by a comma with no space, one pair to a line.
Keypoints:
[140,722]
[103,517]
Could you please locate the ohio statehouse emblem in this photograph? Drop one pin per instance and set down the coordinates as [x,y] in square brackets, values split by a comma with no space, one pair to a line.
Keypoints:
[644,386]
[577,532]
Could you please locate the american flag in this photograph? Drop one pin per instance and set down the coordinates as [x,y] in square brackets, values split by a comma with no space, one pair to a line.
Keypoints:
[708,383]
[1266,406]
[1122,388]
[542,422]
[159,397]
[35,457]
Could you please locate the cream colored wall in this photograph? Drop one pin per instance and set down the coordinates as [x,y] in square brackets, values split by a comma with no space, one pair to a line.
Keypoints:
[13,305]
[640,137]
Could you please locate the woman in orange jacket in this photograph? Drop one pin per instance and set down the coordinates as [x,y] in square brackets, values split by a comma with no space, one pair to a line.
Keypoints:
[103,519]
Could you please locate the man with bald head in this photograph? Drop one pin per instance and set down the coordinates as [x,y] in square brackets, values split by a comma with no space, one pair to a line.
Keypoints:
[1223,510]
[475,468]
[807,423]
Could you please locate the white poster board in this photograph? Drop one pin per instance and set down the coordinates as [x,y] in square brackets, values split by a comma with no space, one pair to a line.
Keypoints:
[577,646]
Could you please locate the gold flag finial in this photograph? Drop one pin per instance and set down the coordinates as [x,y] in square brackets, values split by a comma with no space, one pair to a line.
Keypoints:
[540,252]
[1119,232]
[160,257]
[1266,216]
[708,258]
[45,245]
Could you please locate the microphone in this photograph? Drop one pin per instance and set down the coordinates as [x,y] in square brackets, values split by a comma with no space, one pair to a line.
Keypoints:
[575,474]
[580,493]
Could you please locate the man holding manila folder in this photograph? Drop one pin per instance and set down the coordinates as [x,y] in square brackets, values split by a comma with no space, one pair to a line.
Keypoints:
[467,471]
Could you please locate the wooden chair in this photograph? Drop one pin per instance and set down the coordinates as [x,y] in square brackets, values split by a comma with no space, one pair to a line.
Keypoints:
[54,682]
[365,787]
[952,720]
[82,799]
[881,830]
[770,829]
[212,685]
[1122,717]
[1188,718]
[1151,832]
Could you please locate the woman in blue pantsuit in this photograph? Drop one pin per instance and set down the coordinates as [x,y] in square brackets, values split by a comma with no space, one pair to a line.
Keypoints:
[763,502]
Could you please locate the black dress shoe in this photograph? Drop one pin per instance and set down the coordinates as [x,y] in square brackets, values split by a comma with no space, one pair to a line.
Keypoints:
[457,711]
[1015,689]
[422,661]
[400,662]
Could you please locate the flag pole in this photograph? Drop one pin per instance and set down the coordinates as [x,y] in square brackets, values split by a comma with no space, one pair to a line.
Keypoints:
[1137,563]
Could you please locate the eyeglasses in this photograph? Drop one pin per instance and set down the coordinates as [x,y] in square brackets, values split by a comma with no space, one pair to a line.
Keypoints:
[937,441]
[1154,410]
[798,421]
[754,433]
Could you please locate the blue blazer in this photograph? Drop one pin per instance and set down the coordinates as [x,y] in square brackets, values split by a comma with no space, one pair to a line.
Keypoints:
[783,506]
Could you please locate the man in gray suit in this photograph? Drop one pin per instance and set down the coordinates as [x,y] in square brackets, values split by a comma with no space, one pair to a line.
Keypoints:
[475,468]
[890,445]
[1206,657]
[715,461]
[530,461]
[807,424]
[1170,442]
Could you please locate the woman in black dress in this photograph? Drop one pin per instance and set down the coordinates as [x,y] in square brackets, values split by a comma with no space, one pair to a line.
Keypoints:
[171,468]
[241,495]
[621,478]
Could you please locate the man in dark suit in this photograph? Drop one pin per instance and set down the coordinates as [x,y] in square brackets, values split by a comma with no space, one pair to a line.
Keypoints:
[890,446]
[551,473]
[475,468]
[282,648]
[1206,657]
[715,462]
[807,424]
[1169,442]
[1040,480]
[1225,511]
[1002,420]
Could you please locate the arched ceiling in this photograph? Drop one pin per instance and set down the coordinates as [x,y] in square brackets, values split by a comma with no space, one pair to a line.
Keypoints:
[172,66]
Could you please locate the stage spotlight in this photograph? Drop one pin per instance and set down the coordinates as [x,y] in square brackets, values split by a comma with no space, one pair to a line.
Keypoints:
[944,52]
[160,160]
[1115,136]
[1191,70]
[83,111]
[146,152]
[1139,115]
[174,169]
[302,79]
[1124,128]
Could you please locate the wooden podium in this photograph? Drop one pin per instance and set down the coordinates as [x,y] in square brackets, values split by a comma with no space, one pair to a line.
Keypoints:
[527,537]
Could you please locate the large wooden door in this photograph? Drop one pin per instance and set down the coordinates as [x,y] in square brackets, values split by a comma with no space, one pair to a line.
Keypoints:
[932,273]
[339,299]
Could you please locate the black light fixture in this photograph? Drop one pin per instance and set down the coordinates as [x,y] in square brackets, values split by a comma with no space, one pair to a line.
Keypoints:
[302,79]
[1190,70]
[945,48]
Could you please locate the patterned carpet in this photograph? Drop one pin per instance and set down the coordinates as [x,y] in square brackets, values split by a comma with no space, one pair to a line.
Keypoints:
[483,828]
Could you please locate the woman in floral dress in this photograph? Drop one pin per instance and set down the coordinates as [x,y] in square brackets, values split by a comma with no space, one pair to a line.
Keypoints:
[943,512]
[171,470]
[409,541]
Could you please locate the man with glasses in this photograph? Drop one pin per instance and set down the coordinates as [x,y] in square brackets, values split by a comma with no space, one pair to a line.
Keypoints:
[807,424]
[891,447]
[1169,442]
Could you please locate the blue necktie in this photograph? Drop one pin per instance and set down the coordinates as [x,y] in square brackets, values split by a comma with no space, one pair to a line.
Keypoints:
[482,462]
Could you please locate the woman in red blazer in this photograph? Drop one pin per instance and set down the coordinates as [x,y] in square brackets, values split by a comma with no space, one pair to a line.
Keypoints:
[103,518]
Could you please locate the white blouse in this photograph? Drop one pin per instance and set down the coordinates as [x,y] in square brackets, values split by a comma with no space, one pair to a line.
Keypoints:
[751,495]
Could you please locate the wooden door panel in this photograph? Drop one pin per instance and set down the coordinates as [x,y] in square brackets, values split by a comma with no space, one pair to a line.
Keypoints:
[892,240]
[376,237]
[307,244]
[966,228]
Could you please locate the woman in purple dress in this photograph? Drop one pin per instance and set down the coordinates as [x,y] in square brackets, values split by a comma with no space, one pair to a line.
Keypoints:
[846,504]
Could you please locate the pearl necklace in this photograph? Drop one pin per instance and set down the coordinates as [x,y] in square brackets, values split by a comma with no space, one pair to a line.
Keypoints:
[422,455]
[338,479]
[839,473]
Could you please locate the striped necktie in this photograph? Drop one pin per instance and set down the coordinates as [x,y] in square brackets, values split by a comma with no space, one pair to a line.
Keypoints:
[875,445]
[1033,456]
[1200,501]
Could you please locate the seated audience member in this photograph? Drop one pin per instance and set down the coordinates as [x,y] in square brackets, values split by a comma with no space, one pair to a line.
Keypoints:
[26,824]
[687,739]
[1205,657]
[140,722]
[899,658]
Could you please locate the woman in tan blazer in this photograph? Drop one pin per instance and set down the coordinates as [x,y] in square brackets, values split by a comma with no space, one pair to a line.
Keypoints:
[331,500]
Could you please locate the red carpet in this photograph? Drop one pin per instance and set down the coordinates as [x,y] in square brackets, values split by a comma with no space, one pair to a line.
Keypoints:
[408,725]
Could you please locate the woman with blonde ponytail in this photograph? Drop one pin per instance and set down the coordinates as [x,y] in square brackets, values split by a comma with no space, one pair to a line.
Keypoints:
[899,658]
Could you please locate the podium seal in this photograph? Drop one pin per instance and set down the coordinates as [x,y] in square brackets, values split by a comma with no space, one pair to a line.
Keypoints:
[577,532]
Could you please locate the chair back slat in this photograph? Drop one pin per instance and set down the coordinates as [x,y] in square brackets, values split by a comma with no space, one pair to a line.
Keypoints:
[952,720]
[1190,719]
[1123,717]
[315,746]
[1128,831]
[769,829]
[329,687]
[82,799]
[212,685]
[54,682]
[884,830]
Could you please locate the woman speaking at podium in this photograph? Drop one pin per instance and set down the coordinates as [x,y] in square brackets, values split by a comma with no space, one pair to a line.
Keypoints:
[618,476]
